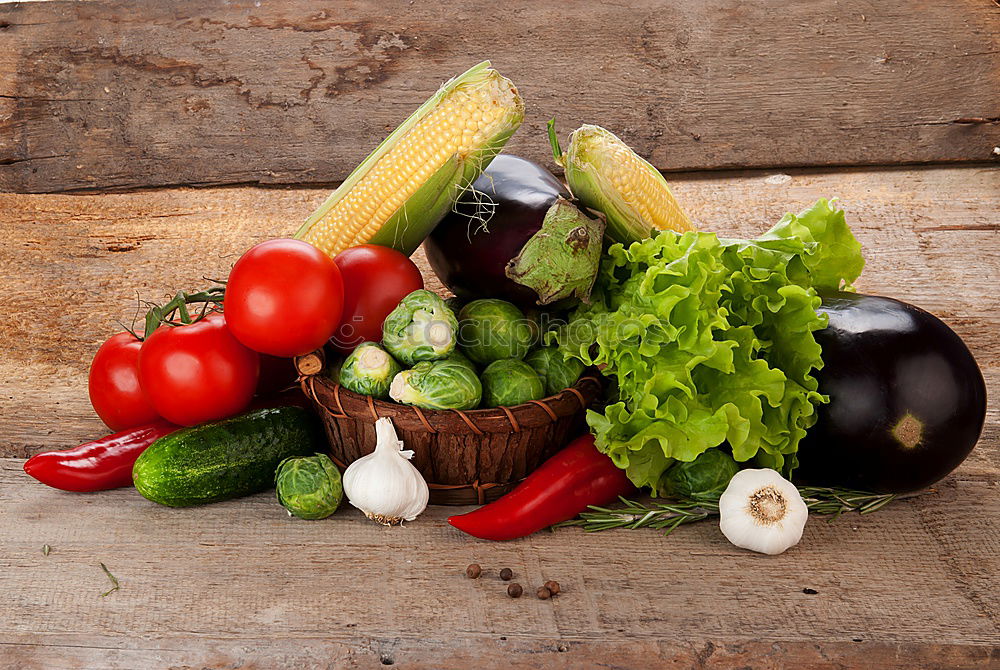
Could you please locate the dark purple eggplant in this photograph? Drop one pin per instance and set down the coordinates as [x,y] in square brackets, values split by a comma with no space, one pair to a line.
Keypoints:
[473,248]
[907,399]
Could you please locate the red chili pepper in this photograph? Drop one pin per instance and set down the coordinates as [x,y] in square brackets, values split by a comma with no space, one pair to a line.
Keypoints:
[561,488]
[99,465]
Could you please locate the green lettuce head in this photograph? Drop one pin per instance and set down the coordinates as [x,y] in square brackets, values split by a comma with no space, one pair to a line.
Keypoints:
[711,340]
[309,487]
[510,382]
[444,384]
[557,372]
[421,328]
[368,370]
[492,330]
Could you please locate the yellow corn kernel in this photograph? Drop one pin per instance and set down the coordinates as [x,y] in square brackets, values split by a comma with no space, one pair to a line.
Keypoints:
[608,176]
[468,120]
[641,186]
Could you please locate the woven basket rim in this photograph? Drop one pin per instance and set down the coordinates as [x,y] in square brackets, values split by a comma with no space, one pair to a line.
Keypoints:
[349,405]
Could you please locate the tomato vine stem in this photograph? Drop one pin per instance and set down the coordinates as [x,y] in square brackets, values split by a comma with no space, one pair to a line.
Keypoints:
[176,312]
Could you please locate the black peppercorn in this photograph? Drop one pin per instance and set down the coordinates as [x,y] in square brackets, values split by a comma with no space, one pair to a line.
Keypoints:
[515,590]
[506,574]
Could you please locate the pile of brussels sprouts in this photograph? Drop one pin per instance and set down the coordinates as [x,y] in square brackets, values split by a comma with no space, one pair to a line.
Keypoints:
[489,354]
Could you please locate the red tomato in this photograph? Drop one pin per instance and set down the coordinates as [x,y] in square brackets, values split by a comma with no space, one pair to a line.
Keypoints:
[114,386]
[284,298]
[197,372]
[375,280]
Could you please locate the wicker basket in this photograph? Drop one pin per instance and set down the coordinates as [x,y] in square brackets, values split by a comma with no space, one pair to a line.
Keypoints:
[467,457]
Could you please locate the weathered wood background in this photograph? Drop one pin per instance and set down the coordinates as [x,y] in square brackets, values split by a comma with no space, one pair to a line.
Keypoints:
[115,97]
[124,93]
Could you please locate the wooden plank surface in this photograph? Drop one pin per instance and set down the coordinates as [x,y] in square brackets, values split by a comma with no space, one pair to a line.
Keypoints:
[118,93]
[239,584]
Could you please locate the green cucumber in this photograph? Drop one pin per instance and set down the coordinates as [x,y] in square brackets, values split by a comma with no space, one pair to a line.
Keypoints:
[225,459]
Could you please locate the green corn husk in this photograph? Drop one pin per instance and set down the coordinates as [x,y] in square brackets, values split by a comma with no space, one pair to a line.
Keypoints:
[609,177]
[344,220]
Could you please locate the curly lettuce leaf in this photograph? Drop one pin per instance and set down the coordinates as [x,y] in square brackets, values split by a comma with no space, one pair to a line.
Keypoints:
[710,340]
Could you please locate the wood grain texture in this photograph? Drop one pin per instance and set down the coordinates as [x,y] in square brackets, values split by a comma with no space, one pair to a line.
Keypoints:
[427,653]
[909,587]
[117,93]
[239,584]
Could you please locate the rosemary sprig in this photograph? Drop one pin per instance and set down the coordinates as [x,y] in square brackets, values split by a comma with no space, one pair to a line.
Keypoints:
[667,515]
[834,502]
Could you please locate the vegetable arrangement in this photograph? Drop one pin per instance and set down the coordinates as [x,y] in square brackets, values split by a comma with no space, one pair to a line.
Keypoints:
[431,358]
[711,341]
[734,367]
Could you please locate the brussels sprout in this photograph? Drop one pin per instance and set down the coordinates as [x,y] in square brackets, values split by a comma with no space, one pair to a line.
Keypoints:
[444,384]
[455,304]
[421,328]
[369,370]
[492,330]
[534,317]
[510,382]
[710,472]
[309,486]
[460,358]
[557,372]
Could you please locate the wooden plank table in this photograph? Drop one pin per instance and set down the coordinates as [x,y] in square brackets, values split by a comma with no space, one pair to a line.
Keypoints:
[239,584]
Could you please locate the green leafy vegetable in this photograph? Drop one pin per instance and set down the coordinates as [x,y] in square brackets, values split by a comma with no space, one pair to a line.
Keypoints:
[309,486]
[460,358]
[421,328]
[492,330]
[510,382]
[710,340]
[369,370]
[445,384]
[556,371]
[709,473]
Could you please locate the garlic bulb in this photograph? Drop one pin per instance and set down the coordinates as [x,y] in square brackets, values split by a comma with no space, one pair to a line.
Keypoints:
[762,511]
[384,484]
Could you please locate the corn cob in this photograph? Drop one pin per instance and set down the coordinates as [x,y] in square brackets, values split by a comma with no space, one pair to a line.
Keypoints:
[606,175]
[407,185]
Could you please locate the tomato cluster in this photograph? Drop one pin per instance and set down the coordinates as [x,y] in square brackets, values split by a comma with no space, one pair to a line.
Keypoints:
[284,298]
